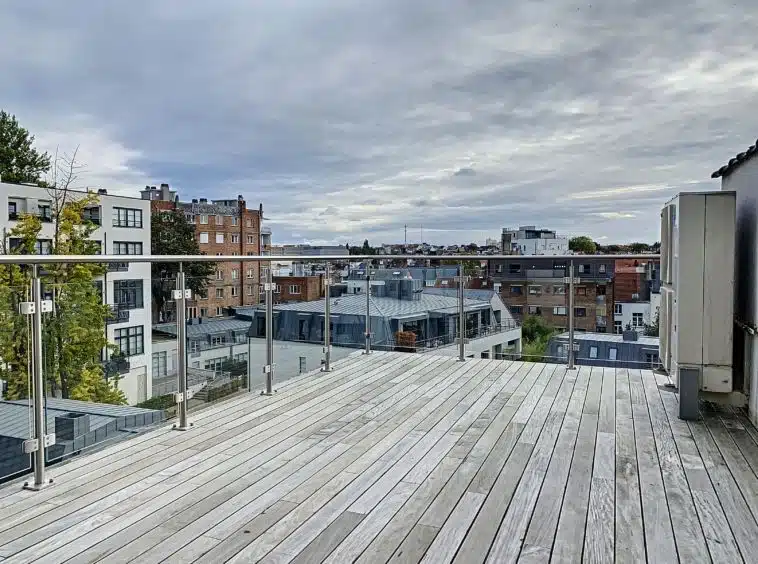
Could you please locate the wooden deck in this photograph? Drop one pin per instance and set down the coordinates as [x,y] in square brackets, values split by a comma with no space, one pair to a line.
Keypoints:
[409,458]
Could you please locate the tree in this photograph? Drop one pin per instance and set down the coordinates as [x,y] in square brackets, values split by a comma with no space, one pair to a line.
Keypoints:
[536,334]
[638,248]
[172,234]
[19,160]
[582,245]
[653,329]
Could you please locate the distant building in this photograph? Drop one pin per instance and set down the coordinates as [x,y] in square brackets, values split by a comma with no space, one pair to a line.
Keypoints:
[356,279]
[600,349]
[528,240]
[636,288]
[222,227]
[536,286]
[124,229]
[289,289]
[308,250]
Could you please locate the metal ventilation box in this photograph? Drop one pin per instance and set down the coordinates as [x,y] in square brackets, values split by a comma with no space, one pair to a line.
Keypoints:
[697,291]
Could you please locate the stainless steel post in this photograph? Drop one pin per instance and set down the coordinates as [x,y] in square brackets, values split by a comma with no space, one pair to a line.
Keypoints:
[38,385]
[368,311]
[181,356]
[249,362]
[327,322]
[461,316]
[571,316]
[269,332]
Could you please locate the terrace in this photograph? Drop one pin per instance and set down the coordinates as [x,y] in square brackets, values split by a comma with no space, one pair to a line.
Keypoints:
[409,458]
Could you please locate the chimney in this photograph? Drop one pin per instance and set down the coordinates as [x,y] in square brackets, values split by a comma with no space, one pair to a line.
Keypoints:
[165,193]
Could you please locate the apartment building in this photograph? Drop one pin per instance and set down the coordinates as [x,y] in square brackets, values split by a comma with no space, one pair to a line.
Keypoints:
[222,227]
[536,286]
[289,289]
[124,229]
[636,292]
[528,240]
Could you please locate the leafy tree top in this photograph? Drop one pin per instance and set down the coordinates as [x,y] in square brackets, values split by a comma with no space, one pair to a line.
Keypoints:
[582,245]
[19,160]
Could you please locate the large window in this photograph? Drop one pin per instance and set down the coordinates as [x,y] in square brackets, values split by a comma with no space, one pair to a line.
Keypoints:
[637,320]
[294,288]
[127,217]
[130,340]
[559,311]
[128,293]
[160,364]
[127,248]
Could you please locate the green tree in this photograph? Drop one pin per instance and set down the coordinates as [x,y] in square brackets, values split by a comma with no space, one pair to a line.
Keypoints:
[19,160]
[74,333]
[536,337]
[637,248]
[653,329]
[172,234]
[582,245]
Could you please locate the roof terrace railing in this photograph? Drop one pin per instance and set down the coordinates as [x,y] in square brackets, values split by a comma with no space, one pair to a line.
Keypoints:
[325,334]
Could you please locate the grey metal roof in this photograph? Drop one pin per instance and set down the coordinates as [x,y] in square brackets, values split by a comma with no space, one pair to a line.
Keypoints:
[207,327]
[355,304]
[477,294]
[15,415]
[415,272]
[737,161]
[611,337]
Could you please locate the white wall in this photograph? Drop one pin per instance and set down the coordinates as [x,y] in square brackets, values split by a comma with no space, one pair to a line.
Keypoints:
[557,246]
[628,309]
[744,181]
[138,382]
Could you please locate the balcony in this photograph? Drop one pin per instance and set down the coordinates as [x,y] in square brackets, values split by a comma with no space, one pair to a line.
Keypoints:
[406,457]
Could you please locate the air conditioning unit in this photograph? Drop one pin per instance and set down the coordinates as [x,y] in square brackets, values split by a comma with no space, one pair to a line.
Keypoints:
[697,294]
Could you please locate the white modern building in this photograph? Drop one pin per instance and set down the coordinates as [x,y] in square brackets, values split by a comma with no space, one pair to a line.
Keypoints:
[632,314]
[528,240]
[124,230]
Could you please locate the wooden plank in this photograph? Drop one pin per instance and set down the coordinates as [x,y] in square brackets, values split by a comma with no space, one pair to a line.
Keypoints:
[688,533]
[450,536]
[630,535]
[391,537]
[659,534]
[538,541]
[323,545]
[415,545]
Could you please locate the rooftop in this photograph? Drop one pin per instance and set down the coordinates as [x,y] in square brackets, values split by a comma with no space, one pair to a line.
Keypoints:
[406,457]
[737,161]
[610,338]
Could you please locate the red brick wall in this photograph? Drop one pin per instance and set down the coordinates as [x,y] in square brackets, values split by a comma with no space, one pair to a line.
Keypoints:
[310,288]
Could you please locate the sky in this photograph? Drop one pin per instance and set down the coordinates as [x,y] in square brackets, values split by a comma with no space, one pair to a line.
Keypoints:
[350,119]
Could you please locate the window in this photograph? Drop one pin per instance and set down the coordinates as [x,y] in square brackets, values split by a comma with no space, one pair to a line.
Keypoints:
[277,289]
[612,354]
[126,248]
[514,268]
[219,254]
[560,290]
[127,217]
[516,290]
[241,357]
[130,340]
[203,238]
[535,310]
[219,293]
[248,222]
[43,247]
[160,364]
[250,273]
[235,274]
[250,289]
[191,312]
[601,268]
[203,312]
[219,274]
[559,310]
[600,290]
[593,352]
[637,320]
[219,312]
[218,340]
[618,309]
[498,268]
[214,364]
[581,290]
[295,289]
[235,238]
[585,268]
[518,310]
[204,220]
[128,293]
[219,220]
[535,290]
[235,291]
[235,221]
[45,211]
[12,210]
[617,328]
[219,237]
[250,240]
[580,311]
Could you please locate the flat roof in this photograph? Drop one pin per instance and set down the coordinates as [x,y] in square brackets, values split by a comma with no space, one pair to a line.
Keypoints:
[610,338]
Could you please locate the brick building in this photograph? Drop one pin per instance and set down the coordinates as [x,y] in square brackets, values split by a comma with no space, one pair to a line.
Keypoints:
[533,285]
[298,288]
[222,227]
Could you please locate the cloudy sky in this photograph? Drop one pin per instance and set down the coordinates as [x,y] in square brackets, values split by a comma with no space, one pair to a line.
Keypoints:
[349,119]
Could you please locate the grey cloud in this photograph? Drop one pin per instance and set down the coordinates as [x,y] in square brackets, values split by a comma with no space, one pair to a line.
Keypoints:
[377,109]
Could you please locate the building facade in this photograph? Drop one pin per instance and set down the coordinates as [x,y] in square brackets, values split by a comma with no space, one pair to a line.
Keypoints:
[618,351]
[528,240]
[289,289]
[124,229]
[222,228]
[537,286]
